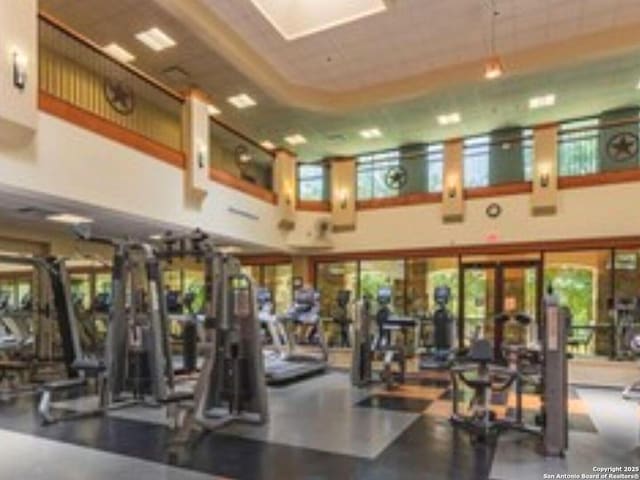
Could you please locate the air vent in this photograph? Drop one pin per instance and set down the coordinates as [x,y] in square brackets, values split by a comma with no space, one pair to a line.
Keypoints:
[336,137]
[176,75]
[35,212]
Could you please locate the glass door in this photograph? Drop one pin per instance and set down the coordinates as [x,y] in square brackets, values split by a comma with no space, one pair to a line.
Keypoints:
[478,302]
[491,289]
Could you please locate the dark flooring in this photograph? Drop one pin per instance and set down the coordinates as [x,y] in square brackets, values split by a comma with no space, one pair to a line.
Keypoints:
[428,449]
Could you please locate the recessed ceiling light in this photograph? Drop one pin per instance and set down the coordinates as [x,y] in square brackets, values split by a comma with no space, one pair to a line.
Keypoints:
[68,218]
[542,101]
[213,110]
[371,133]
[295,139]
[241,100]
[156,39]
[119,53]
[268,145]
[449,118]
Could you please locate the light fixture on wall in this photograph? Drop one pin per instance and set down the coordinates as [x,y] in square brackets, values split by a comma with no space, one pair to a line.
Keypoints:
[493,67]
[201,154]
[344,198]
[19,70]
[452,190]
[544,176]
[288,195]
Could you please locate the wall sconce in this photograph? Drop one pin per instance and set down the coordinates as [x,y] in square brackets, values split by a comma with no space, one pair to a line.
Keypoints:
[344,199]
[544,177]
[19,70]
[287,198]
[452,191]
[201,154]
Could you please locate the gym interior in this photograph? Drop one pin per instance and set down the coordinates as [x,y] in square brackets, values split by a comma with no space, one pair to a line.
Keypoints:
[378,239]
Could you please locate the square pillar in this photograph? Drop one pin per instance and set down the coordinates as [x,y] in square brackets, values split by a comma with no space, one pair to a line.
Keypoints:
[544,197]
[343,195]
[284,185]
[453,178]
[196,143]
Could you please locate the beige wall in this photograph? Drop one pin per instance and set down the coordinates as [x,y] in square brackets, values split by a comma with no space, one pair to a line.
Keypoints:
[63,161]
[596,212]
[18,27]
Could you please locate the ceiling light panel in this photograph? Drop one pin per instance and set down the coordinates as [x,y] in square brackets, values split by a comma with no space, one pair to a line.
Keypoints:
[156,39]
[295,139]
[305,17]
[68,218]
[449,118]
[116,51]
[242,100]
[542,101]
[370,133]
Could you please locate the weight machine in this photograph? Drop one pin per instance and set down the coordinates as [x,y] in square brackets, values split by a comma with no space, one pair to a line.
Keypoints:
[231,385]
[137,368]
[482,376]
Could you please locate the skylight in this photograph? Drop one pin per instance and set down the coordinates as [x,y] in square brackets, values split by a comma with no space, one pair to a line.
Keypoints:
[298,18]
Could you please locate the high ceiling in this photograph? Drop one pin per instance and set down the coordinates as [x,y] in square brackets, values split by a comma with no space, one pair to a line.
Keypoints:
[415,36]
[395,70]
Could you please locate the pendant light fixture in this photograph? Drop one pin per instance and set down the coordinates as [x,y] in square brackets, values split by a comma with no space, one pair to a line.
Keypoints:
[493,67]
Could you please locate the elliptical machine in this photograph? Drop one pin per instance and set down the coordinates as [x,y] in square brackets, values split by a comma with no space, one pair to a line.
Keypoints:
[341,317]
[441,354]
[370,346]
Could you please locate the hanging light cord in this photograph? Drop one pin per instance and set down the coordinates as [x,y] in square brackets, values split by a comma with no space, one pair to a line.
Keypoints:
[494,15]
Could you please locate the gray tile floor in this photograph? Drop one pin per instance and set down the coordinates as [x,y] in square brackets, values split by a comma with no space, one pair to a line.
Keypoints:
[61,461]
[295,419]
[616,442]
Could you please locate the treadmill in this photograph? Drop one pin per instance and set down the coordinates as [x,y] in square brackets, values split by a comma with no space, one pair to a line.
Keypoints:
[284,361]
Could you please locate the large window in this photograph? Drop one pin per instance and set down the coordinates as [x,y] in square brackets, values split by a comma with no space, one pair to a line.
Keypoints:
[527,153]
[311,182]
[333,277]
[277,278]
[435,166]
[578,147]
[582,281]
[375,274]
[423,276]
[422,165]
[476,162]
[372,170]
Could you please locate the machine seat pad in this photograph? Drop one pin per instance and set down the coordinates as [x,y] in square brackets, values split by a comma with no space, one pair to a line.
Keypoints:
[64,384]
